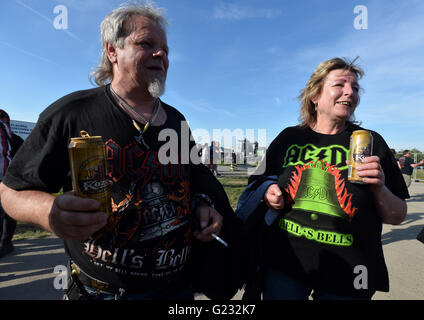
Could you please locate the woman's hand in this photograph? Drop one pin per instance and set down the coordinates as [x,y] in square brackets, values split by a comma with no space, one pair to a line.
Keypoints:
[274,197]
[391,209]
[371,172]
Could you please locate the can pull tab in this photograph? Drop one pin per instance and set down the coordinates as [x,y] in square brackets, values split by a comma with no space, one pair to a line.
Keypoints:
[84,134]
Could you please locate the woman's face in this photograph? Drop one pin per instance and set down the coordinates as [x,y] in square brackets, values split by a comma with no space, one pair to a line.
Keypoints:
[339,96]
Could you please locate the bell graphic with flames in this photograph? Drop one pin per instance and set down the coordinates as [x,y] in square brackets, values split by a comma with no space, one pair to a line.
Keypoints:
[319,187]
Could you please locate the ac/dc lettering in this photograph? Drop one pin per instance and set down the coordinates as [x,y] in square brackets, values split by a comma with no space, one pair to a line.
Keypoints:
[299,155]
[152,199]
[136,164]
[113,160]
[139,164]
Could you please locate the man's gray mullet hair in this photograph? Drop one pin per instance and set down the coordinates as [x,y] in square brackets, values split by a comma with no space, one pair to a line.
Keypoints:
[114,30]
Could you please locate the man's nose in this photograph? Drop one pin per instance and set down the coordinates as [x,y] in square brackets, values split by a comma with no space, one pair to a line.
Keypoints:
[160,52]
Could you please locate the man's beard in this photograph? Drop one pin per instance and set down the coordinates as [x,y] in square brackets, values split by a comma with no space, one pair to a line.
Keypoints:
[156,87]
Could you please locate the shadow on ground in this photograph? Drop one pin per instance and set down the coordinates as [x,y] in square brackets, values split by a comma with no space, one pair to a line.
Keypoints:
[409,229]
[29,269]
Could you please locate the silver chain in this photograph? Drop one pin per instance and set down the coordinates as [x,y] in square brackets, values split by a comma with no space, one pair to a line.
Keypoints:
[130,109]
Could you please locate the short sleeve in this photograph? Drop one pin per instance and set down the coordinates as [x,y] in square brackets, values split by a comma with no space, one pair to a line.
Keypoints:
[41,161]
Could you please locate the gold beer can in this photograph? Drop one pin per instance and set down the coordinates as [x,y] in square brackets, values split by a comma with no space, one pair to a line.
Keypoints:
[88,165]
[361,144]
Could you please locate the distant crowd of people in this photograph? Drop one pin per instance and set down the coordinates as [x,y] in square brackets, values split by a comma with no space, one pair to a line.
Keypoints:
[213,154]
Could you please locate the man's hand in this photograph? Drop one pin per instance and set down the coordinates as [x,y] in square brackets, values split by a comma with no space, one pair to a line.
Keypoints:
[75,218]
[210,221]
[274,197]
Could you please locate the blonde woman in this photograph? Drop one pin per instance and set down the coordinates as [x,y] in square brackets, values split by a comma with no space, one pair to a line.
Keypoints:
[325,237]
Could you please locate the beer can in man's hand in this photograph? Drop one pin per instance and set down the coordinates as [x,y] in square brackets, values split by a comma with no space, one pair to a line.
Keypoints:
[361,143]
[88,165]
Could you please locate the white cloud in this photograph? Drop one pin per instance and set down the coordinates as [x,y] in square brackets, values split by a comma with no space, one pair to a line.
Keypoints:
[47,19]
[84,5]
[28,53]
[391,52]
[230,11]
[199,105]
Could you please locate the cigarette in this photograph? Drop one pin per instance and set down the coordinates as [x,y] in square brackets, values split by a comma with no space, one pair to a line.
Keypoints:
[219,239]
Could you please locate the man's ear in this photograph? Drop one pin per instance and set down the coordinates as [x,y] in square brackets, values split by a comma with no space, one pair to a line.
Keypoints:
[111,52]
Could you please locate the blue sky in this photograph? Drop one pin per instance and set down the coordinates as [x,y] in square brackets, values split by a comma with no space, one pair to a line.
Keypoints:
[233,64]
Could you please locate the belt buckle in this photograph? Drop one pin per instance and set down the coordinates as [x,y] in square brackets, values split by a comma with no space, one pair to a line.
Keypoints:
[99,286]
[96,285]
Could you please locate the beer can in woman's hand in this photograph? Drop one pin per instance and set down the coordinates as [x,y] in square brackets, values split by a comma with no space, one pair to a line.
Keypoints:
[361,144]
[88,165]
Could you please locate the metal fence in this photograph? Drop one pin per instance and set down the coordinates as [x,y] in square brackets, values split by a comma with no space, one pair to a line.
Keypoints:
[418,174]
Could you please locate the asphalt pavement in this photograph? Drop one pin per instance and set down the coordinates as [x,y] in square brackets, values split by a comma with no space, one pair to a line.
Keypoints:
[28,272]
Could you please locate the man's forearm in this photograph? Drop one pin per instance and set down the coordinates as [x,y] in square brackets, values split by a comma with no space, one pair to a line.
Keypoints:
[27,206]
[414,165]
[391,209]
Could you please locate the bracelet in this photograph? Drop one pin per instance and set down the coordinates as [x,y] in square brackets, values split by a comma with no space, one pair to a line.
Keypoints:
[201,197]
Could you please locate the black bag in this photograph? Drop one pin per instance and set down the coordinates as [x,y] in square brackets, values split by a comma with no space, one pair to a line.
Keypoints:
[212,267]
[248,254]
[420,236]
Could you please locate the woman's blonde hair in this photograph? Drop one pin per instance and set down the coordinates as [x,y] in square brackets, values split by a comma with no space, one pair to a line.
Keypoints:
[115,28]
[308,114]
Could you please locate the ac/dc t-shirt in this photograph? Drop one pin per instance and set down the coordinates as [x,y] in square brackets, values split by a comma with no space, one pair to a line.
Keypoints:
[148,237]
[331,237]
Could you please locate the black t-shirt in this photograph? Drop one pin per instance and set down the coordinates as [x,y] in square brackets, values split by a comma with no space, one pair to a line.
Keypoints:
[406,165]
[333,229]
[17,141]
[147,240]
